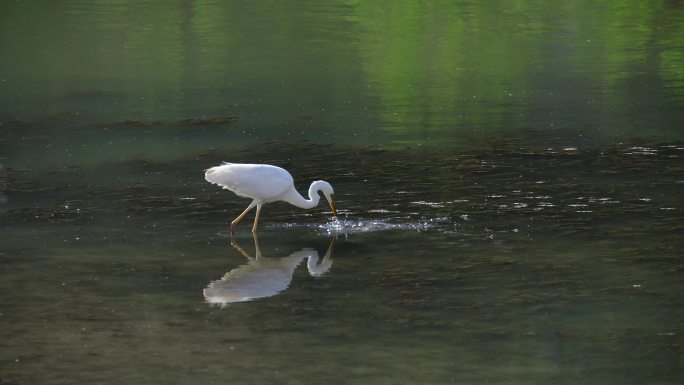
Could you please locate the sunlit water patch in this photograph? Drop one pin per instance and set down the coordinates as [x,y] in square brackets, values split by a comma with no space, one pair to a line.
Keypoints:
[346,226]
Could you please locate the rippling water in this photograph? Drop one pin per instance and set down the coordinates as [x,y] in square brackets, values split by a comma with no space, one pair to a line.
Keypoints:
[502,261]
[508,177]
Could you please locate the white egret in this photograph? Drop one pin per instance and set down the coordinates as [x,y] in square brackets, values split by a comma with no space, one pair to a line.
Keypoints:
[264,183]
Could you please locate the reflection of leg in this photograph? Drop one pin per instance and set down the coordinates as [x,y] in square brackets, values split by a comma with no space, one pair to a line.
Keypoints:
[256,218]
[257,250]
[234,223]
[237,247]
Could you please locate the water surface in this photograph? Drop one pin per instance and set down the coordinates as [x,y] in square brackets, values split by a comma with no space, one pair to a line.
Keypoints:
[509,180]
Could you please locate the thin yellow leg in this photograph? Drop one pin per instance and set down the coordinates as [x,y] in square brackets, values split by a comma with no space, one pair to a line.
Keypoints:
[256,219]
[234,223]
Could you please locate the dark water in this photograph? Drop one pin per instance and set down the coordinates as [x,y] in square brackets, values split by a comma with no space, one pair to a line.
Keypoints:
[509,180]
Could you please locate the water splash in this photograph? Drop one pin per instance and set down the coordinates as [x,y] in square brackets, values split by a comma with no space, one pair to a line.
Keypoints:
[336,226]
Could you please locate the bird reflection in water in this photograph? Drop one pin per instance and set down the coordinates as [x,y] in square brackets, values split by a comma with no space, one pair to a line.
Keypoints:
[263,277]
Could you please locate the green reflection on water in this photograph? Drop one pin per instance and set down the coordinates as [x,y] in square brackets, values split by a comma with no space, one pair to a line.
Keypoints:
[440,68]
[355,71]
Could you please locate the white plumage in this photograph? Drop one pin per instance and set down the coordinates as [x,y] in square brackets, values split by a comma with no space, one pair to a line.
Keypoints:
[264,183]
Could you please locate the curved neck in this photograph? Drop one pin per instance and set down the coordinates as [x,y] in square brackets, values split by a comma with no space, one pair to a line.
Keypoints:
[294,198]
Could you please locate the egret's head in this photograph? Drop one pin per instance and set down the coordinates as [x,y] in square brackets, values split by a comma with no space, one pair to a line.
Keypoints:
[328,192]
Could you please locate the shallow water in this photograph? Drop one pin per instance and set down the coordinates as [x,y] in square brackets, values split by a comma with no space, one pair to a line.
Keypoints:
[519,265]
[509,215]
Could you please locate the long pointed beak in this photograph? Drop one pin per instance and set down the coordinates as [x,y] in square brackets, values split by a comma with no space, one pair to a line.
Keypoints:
[332,206]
